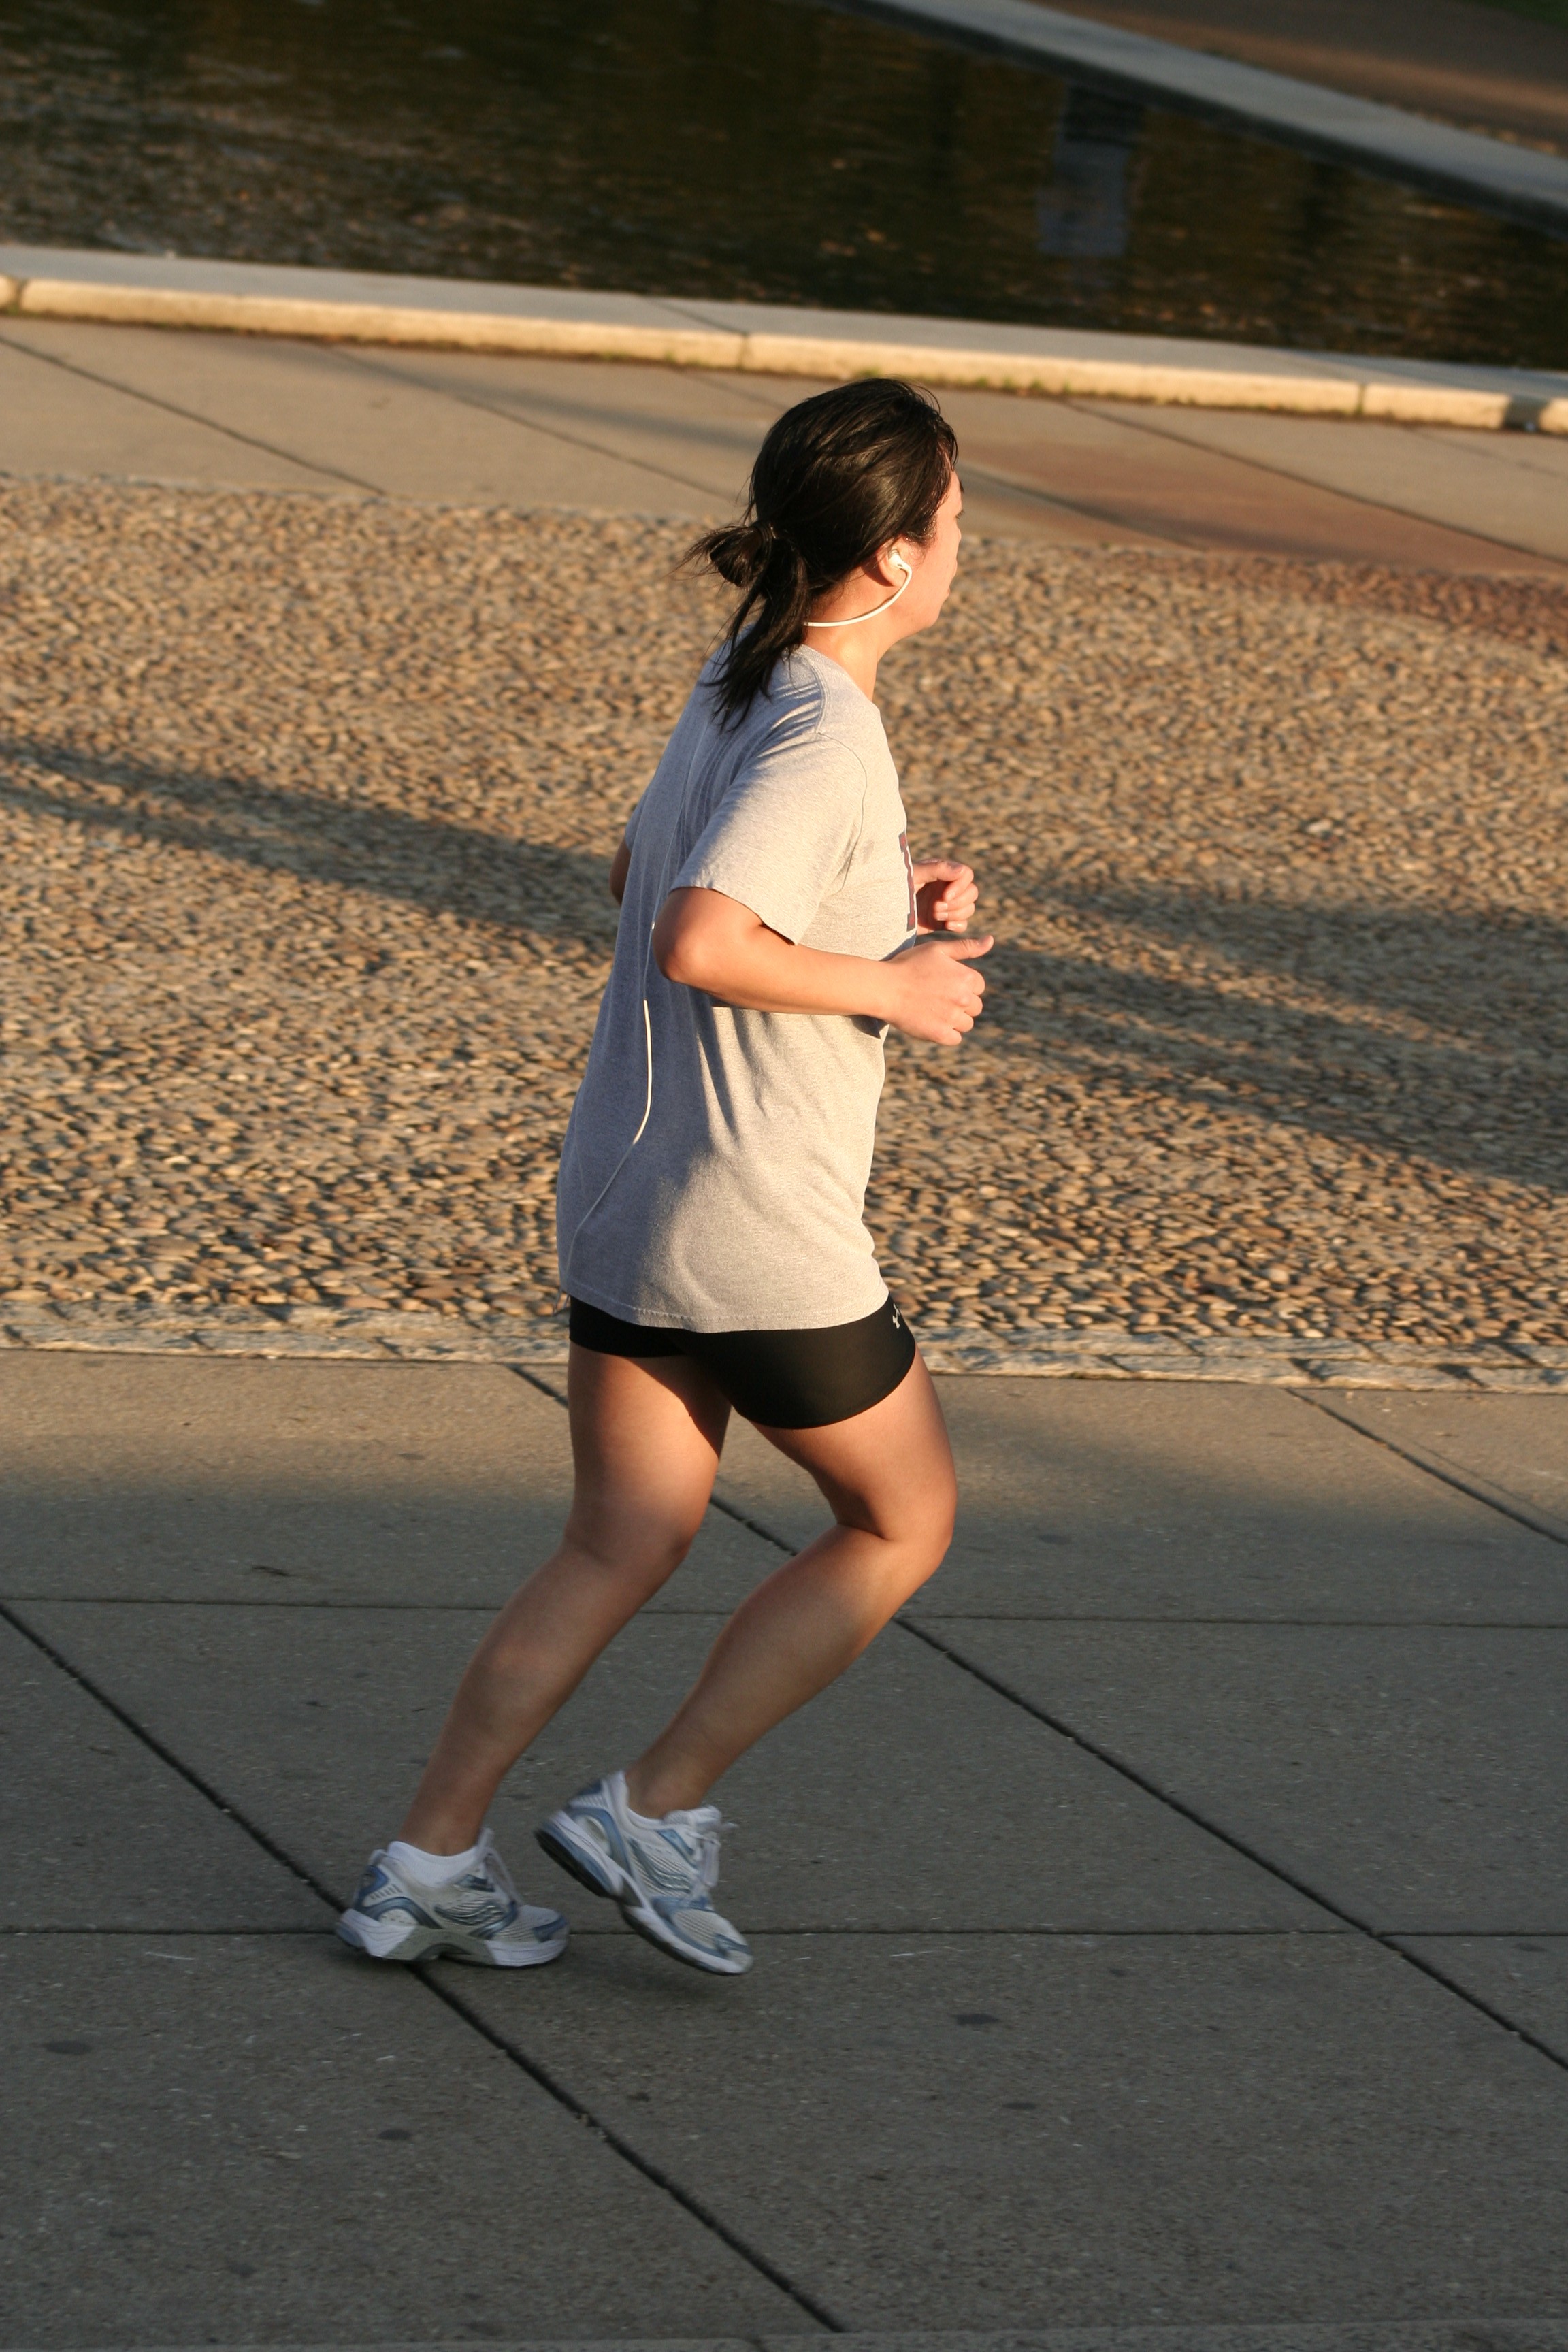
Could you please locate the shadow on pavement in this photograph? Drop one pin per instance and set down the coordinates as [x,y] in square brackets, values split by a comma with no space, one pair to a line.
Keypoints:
[428,862]
[1444,1036]
[1448,1042]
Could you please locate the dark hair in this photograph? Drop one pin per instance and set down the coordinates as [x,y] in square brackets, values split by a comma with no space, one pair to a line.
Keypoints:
[838,476]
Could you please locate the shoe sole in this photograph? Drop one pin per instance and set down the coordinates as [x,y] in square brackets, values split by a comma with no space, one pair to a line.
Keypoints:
[646,1924]
[641,1924]
[435,1943]
[573,1864]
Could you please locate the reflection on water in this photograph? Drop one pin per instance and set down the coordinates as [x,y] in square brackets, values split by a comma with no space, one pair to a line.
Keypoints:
[760,149]
[1084,213]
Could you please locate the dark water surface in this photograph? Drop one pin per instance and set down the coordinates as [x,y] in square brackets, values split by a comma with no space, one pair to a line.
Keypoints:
[756,149]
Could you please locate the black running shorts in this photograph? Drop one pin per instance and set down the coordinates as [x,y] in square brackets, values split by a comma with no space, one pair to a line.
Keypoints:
[782,1379]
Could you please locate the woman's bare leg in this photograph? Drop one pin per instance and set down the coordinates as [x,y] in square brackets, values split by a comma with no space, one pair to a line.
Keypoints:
[646,1439]
[888,1475]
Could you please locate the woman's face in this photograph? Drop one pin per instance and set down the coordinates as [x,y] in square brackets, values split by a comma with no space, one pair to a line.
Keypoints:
[934,565]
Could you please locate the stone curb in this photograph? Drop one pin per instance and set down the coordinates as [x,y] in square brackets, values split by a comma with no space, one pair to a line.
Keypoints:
[397,1336]
[1521,181]
[336,306]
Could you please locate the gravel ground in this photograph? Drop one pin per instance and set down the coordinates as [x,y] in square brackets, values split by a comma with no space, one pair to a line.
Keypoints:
[306,804]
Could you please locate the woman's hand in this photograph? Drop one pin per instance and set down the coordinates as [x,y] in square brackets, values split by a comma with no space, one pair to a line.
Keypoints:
[937,991]
[704,940]
[945,895]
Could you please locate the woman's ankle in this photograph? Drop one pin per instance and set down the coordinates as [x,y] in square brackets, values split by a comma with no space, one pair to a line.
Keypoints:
[431,1834]
[652,1793]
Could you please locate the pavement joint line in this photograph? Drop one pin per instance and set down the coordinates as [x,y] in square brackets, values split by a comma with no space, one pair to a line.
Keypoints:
[10,1616]
[1298,1624]
[1509,2335]
[239,1600]
[982,478]
[694,2205]
[718,1616]
[1284,474]
[189,415]
[968,1935]
[741,1518]
[1365,134]
[933,1935]
[529,424]
[311,1933]
[1384,1937]
[536,2072]
[779,341]
[1452,1473]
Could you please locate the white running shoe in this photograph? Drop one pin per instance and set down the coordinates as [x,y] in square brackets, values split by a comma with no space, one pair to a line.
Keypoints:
[479,1916]
[662,1873]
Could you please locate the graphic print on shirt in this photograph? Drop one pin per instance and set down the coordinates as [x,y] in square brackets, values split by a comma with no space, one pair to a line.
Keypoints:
[909,877]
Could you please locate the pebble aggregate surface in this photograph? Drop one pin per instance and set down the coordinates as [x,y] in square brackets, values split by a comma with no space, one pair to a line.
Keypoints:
[306,805]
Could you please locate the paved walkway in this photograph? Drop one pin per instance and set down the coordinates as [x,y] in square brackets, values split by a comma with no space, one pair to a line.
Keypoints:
[1483,67]
[1486,68]
[1163,1930]
[1523,180]
[201,408]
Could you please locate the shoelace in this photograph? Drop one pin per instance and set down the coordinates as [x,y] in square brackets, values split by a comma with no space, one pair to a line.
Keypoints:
[708,1866]
[708,1827]
[494,1868]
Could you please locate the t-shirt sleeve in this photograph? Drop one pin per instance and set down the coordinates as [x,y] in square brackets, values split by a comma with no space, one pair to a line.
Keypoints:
[630,827]
[782,832]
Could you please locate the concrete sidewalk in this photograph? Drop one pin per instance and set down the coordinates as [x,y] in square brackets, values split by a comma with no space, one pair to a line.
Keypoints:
[1162,1931]
[1470,62]
[467,428]
[1517,180]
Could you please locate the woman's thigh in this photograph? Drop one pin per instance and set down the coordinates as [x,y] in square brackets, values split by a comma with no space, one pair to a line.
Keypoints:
[646,1433]
[887,1470]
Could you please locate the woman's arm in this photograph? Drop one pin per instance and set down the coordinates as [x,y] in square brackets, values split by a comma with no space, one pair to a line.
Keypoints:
[620,866]
[704,940]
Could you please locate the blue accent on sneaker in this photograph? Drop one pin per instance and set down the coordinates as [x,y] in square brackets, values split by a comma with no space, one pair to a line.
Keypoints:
[661,1873]
[477,1916]
[381,1898]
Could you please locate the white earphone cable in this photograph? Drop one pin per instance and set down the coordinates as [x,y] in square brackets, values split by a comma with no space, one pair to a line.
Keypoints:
[883,607]
[647,1040]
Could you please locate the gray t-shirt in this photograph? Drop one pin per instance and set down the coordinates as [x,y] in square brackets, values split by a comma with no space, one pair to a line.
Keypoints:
[714,1173]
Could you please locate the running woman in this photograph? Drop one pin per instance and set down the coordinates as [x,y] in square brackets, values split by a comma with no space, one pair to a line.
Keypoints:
[710,1206]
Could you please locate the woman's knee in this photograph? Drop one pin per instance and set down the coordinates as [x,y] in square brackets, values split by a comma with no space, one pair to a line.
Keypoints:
[913,1538]
[633,1548]
[917,1516]
[945,1504]
[930,1548]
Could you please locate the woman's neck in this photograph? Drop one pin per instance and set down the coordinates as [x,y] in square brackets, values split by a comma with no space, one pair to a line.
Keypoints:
[857,661]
